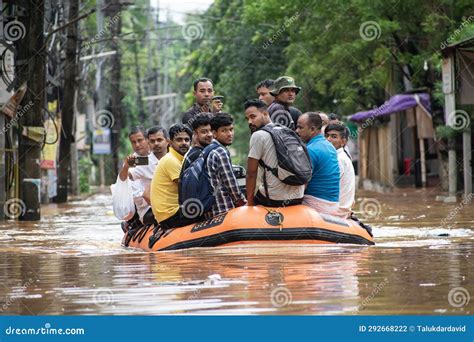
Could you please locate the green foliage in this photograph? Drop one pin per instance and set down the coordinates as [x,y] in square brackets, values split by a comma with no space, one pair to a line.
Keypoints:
[321,44]
[446,132]
[85,167]
[144,45]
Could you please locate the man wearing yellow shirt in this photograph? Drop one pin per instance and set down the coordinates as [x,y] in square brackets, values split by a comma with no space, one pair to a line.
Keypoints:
[164,185]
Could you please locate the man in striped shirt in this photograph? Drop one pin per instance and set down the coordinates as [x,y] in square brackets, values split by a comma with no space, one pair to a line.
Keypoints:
[219,167]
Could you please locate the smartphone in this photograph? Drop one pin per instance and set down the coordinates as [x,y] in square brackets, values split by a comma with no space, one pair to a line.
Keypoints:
[138,161]
[141,160]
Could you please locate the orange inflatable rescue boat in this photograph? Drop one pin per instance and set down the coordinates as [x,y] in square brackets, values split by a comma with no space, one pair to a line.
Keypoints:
[297,224]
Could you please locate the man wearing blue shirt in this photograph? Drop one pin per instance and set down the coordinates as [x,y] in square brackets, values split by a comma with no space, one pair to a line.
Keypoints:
[322,192]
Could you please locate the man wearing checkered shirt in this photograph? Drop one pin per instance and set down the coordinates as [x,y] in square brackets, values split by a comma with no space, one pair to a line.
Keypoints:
[219,167]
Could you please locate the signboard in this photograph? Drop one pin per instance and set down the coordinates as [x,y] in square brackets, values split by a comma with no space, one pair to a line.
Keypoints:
[50,149]
[447,70]
[7,69]
[466,77]
[101,141]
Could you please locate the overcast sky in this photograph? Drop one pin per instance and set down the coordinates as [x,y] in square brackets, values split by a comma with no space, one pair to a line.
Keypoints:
[179,8]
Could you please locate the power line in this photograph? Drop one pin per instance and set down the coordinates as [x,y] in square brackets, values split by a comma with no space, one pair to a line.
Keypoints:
[237,21]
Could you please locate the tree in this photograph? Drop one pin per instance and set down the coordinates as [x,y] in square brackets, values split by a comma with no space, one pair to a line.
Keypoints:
[68,117]
[347,55]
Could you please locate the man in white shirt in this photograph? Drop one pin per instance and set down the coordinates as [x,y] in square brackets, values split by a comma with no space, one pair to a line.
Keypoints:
[337,134]
[140,176]
[158,140]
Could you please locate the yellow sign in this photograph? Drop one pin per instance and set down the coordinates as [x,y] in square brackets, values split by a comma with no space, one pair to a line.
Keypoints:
[49,152]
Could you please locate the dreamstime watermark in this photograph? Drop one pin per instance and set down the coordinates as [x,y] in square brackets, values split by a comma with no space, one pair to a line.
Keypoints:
[103,297]
[281,30]
[194,295]
[282,117]
[19,113]
[100,35]
[211,280]
[10,78]
[458,297]
[10,300]
[46,330]
[281,297]
[295,194]
[377,288]
[14,208]
[369,121]
[218,188]
[162,268]
[370,208]
[192,208]
[104,119]
[457,32]
[453,213]
[370,30]
[192,31]
[459,120]
[14,30]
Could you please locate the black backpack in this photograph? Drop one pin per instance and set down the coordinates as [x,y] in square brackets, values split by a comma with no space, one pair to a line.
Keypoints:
[294,165]
[195,192]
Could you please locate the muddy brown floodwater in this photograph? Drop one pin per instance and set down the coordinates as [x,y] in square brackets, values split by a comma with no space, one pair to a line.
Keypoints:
[72,263]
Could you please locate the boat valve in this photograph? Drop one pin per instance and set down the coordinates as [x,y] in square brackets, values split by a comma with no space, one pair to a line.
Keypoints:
[274,218]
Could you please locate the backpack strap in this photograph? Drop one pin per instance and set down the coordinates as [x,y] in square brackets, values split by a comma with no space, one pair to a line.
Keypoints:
[274,170]
[265,184]
[205,153]
[208,149]
[268,128]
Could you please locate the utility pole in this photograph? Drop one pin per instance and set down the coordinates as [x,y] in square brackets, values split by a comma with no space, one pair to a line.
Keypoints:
[68,117]
[150,56]
[141,115]
[116,95]
[166,115]
[156,105]
[100,89]
[4,97]
[30,67]
[150,22]
[166,107]
[100,85]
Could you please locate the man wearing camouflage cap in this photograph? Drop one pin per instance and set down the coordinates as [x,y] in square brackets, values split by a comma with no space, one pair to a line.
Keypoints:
[284,90]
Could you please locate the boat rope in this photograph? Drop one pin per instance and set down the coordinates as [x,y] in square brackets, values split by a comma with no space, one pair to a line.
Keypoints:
[137,234]
[158,232]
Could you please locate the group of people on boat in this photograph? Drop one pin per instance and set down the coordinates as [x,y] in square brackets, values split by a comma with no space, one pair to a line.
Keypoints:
[294,158]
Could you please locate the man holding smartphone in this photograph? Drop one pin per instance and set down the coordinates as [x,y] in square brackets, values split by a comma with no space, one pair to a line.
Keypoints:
[139,168]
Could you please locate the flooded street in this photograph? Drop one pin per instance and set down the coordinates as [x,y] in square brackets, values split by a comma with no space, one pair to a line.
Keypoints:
[72,263]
